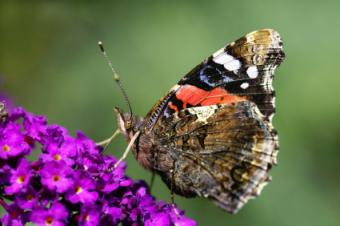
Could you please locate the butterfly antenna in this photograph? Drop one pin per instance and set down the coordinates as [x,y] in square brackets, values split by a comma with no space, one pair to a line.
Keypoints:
[115,76]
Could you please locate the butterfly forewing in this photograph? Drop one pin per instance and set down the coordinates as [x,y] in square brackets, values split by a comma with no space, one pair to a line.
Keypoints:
[243,70]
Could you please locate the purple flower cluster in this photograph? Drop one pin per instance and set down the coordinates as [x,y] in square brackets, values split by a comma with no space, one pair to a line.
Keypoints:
[70,181]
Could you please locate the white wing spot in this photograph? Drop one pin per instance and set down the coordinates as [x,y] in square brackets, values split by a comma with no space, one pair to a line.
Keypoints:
[229,62]
[252,72]
[203,113]
[244,85]
[233,65]
[223,58]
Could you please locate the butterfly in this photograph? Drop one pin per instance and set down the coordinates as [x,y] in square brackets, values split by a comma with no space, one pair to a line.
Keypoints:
[211,135]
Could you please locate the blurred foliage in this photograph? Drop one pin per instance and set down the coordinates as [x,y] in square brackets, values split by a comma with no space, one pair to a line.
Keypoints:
[50,64]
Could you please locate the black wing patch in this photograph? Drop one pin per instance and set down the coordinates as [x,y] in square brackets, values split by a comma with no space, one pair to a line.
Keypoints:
[244,68]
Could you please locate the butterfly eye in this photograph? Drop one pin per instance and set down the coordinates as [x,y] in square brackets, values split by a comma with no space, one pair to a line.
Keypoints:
[213,77]
[128,124]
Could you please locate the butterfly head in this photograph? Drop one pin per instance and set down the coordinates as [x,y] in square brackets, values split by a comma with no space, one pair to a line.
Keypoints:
[126,123]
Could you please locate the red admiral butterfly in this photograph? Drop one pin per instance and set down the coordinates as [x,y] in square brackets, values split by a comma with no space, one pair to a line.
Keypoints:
[211,135]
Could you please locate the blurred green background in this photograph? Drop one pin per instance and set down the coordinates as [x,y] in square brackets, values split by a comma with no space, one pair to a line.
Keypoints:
[50,64]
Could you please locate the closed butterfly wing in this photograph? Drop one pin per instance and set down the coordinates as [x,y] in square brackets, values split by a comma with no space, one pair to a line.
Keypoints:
[221,152]
[211,134]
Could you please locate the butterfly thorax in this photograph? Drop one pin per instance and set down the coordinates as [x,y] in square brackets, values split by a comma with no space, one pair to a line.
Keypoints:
[143,148]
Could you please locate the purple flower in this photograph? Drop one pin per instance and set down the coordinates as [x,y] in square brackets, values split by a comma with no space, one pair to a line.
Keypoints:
[82,190]
[14,216]
[184,221]
[28,199]
[114,213]
[71,182]
[57,153]
[112,179]
[178,218]
[5,172]
[84,144]
[56,176]
[12,142]
[34,125]
[54,134]
[161,219]
[56,215]
[19,177]
[89,216]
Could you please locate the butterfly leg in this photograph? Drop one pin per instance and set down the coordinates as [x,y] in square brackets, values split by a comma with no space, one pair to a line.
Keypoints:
[105,143]
[128,148]
[172,194]
[152,180]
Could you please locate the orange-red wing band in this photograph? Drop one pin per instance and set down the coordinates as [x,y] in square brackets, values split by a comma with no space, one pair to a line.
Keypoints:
[194,96]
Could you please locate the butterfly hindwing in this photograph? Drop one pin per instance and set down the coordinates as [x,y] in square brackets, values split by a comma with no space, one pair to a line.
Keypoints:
[221,152]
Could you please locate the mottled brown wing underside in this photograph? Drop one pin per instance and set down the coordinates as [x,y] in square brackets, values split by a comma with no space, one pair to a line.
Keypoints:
[220,152]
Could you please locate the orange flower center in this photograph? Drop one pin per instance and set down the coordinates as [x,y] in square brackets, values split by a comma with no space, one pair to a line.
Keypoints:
[56,178]
[21,179]
[57,157]
[49,221]
[6,148]
[78,189]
